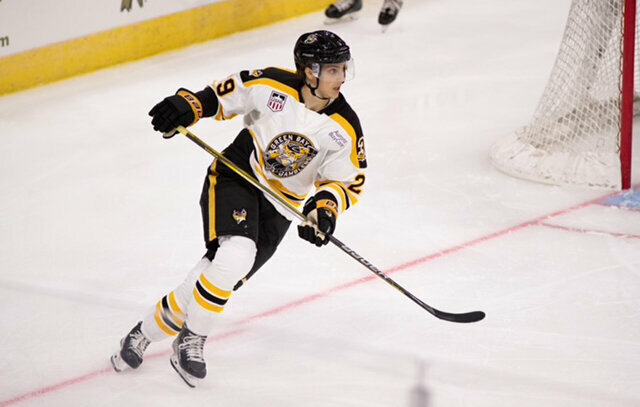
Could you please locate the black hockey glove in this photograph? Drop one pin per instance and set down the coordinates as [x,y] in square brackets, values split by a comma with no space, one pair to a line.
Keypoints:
[321,221]
[182,109]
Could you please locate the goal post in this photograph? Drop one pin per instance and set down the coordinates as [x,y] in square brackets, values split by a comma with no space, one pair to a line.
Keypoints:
[626,128]
[581,131]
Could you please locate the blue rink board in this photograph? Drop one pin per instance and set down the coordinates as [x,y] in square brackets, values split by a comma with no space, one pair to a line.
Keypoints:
[629,199]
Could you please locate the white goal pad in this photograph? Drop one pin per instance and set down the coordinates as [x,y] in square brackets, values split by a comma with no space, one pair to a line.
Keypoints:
[580,133]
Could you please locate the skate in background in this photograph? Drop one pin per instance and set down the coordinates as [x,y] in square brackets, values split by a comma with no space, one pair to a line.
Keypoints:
[348,10]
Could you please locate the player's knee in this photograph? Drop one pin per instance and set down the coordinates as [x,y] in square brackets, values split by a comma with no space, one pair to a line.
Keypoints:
[233,260]
[185,290]
[237,245]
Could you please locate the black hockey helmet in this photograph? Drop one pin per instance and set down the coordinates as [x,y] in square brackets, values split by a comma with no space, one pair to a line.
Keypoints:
[320,47]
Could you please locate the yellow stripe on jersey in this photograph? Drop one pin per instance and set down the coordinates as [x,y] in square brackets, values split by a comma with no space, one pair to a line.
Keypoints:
[289,194]
[288,70]
[340,193]
[213,180]
[278,188]
[344,123]
[346,195]
[274,84]
[353,197]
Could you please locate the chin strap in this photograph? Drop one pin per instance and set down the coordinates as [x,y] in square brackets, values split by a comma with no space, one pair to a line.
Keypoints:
[313,90]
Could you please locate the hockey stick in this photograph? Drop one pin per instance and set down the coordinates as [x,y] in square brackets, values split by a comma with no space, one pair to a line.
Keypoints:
[447,316]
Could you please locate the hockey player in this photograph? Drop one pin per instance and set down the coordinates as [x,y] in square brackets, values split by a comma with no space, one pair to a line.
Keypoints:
[346,10]
[299,134]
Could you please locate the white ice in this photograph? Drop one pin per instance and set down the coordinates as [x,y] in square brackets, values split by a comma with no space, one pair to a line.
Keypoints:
[100,218]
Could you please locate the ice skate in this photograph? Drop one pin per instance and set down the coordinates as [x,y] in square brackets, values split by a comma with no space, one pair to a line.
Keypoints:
[343,10]
[188,357]
[389,12]
[131,350]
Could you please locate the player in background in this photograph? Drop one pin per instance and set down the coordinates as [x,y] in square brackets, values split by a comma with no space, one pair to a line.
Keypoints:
[346,10]
[302,140]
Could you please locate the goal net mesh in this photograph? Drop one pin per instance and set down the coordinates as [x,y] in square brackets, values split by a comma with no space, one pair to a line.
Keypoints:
[573,137]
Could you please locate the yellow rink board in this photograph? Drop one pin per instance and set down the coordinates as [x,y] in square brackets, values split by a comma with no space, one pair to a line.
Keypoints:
[135,41]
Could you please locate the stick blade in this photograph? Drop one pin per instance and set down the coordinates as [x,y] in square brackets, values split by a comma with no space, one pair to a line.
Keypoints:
[464,318]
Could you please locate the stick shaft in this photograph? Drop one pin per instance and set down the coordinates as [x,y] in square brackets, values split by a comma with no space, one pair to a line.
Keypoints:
[465,317]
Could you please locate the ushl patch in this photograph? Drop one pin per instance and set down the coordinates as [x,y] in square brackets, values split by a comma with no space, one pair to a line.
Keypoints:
[276,101]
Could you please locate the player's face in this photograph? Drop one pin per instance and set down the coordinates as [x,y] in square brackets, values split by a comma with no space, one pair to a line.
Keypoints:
[328,78]
[332,76]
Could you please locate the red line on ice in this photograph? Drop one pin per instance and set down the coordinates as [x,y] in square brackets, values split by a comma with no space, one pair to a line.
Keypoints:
[587,231]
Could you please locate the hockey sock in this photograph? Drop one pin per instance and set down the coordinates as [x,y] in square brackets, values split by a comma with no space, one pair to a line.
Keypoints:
[167,317]
[233,260]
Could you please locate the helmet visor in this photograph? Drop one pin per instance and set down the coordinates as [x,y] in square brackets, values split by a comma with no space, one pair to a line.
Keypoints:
[335,71]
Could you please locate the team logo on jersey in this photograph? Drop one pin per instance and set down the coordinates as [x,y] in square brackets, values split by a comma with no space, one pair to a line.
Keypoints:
[276,101]
[288,154]
[240,217]
[256,73]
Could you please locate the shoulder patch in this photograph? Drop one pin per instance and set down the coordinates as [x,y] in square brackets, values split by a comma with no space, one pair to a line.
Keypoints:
[342,113]
[352,127]
[276,101]
[338,138]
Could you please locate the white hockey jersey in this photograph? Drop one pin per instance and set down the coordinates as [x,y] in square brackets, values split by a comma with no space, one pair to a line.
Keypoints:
[295,149]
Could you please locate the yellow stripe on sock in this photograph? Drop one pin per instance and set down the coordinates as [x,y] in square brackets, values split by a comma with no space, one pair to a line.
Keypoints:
[220,293]
[175,308]
[206,304]
[158,317]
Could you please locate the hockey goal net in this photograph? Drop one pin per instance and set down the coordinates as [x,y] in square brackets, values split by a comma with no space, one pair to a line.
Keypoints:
[580,133]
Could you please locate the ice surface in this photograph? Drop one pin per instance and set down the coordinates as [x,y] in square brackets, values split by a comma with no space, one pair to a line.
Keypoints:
[100,218]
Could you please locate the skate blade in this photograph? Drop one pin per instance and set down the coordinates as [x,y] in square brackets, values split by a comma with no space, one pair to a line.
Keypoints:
[385,27]
[344,19]
[118,364]
[188,379]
